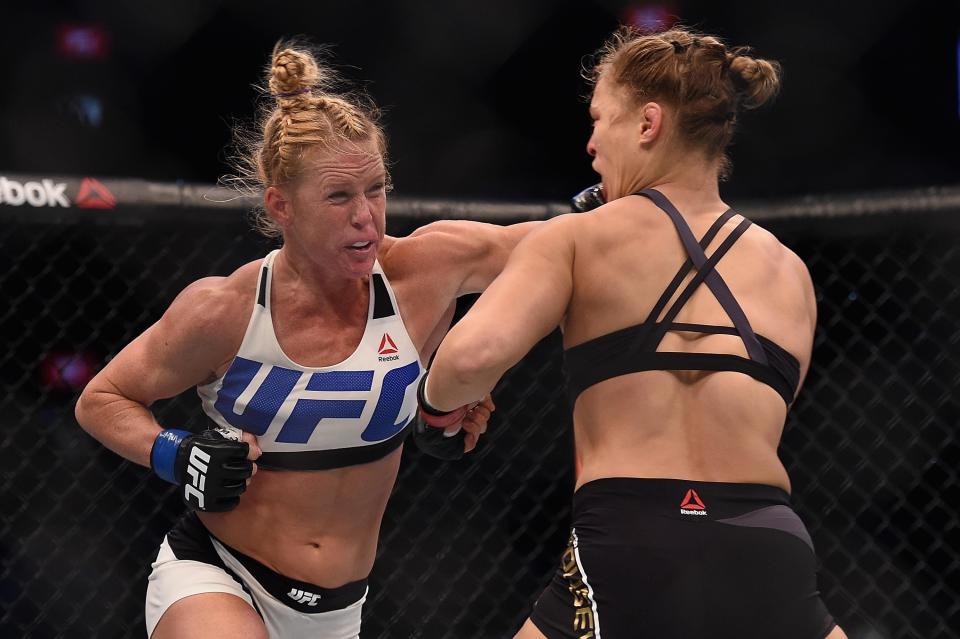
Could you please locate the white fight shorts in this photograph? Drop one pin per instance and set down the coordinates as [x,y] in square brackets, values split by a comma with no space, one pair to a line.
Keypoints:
[192,562]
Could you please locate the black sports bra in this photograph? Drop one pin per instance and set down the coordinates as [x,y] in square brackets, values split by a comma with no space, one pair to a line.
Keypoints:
[634,349]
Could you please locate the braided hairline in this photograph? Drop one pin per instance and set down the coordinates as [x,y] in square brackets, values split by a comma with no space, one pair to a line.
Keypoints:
[685,44]
[296,129]
[349,121]
[306,112]
[706,82]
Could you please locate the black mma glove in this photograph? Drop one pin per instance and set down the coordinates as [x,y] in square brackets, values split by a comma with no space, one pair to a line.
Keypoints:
[588,199]
[428,430]
[211,470]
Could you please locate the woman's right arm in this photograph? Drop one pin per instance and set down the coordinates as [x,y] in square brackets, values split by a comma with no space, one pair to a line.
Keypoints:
[193,338]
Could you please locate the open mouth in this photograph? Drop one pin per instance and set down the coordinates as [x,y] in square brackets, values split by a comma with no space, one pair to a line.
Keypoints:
[361,247]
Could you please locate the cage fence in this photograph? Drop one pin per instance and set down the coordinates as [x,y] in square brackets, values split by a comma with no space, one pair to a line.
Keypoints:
[871,445]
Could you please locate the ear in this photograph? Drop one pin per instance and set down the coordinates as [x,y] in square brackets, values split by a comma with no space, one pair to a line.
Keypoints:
[650,125]
[279,206]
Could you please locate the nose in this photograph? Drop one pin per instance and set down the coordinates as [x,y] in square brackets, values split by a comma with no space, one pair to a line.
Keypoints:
[362,213]
[591,147]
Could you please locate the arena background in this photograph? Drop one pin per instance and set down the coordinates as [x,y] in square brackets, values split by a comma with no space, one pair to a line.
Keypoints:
[114,120]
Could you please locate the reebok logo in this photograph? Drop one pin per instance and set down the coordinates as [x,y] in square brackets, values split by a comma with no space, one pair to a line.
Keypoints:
[37,194]
[387,345]
[197,469]
[302,596]
[692,504]
[387,348]
[94,195]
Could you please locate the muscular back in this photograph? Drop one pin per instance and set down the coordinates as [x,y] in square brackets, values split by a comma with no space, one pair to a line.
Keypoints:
[710,426]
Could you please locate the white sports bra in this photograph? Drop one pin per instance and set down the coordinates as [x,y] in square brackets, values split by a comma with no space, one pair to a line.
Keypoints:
[306,418]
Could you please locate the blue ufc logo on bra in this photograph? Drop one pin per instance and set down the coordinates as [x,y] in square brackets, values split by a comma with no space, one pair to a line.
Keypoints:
[308,413]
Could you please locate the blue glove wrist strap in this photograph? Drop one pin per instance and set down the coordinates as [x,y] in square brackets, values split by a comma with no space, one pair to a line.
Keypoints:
[163,456]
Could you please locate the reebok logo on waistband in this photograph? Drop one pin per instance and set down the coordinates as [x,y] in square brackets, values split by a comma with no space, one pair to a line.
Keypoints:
[302,596]
[692,504]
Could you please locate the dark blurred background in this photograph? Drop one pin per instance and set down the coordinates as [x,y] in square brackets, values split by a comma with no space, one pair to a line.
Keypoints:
[483,99]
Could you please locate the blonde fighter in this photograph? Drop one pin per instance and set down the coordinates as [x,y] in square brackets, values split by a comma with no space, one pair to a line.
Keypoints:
[313,354]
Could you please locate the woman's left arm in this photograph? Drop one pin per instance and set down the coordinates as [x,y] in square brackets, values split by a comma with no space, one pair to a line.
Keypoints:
[525,303]
[469,254]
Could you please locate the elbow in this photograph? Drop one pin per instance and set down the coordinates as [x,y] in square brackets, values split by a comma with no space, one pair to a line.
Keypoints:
[82,410]
[89,406]
[475,361]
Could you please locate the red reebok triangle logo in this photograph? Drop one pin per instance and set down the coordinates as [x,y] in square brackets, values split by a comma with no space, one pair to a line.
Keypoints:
[387,345]
[94,195]
[692,501]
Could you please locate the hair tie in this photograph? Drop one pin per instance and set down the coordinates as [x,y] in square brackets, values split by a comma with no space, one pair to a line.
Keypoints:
[677,47]
[727,61]
[290,94]
[696,42]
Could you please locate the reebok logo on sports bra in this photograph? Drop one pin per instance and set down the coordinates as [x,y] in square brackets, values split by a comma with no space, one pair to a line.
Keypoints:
[315,418]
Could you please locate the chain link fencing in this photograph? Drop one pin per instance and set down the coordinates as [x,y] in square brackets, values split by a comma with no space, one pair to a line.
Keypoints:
[871,445]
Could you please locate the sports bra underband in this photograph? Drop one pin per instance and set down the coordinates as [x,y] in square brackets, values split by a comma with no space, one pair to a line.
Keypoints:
[634,349]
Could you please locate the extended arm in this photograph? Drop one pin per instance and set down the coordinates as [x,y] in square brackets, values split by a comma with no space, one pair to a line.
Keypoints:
[451,258]
[443,261]
[522,306]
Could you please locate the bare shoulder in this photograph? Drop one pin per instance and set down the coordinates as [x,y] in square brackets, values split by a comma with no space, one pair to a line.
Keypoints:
[458,256]
[644,208]
[784,270]
[562,229]
[796,265]
[798,271]
[635,217]
[196,337]
[215,308]
[438,240]
[393,256]
[640,212]
[778,253]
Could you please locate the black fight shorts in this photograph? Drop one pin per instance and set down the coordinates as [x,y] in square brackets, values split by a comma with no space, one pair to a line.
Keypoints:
[682,559]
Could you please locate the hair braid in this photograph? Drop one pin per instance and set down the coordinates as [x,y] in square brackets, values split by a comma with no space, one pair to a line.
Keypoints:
[696,74]
[306,111]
